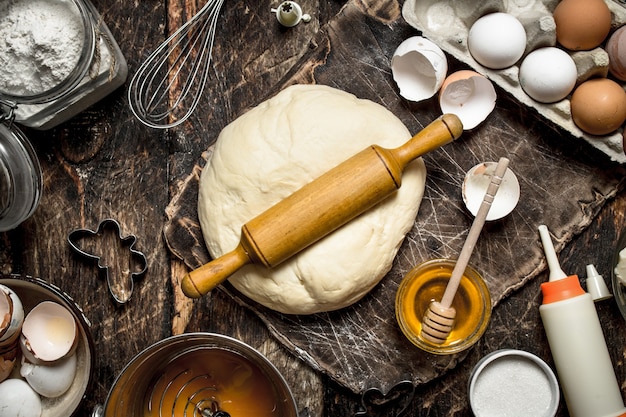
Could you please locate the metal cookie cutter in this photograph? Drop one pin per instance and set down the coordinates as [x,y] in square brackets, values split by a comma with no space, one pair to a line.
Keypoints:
[395,400]
[114,254]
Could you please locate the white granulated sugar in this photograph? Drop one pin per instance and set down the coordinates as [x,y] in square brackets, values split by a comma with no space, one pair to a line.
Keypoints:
[40,44]
[512,387]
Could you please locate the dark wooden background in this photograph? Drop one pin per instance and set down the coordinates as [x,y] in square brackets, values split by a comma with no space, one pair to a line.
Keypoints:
[105,164]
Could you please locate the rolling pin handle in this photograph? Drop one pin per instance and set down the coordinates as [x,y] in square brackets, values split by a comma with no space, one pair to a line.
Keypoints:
[202,280]
[444,130]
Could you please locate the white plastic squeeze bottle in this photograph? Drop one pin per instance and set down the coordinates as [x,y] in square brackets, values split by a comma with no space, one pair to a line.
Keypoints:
[577,343]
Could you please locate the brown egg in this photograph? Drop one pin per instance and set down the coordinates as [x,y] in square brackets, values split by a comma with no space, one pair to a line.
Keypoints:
[599,106]
[616,49]
[582,24]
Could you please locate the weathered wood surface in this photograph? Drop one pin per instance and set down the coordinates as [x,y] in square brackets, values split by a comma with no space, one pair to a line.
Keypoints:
[105,164]
[361,346]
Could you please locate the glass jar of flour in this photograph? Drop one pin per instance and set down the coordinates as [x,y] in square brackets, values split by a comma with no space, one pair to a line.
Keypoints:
[57,58]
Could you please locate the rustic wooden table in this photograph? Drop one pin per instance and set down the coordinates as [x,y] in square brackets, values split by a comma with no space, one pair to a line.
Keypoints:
[105,164]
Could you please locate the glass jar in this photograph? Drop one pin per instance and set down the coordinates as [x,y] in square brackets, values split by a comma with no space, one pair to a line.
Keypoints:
[426,283]
[57,72]
[65,81]
[20,176]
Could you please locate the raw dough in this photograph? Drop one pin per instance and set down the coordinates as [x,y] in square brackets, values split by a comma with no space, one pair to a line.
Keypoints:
[274,149]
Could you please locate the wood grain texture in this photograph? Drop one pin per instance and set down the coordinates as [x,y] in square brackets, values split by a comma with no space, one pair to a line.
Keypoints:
[361,346]
[103,163]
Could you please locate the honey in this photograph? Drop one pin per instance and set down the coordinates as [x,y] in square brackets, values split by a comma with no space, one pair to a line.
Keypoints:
[202,382]
[426,283]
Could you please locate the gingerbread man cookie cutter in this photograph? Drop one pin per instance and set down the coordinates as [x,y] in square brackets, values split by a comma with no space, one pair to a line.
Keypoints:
[114,254]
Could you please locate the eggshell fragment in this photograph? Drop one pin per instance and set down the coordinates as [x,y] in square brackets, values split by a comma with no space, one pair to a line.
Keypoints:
[8,359]
[418,67]
[469,95]
[548,74]
[475,186]
[50,380]
[17,398]
[49,333]
[599,106]
[11,316]
[497,40]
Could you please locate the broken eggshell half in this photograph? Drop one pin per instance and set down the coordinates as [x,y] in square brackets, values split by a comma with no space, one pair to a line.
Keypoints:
[475,185]
[419,68]
[49,333]
[50,381]
[11,316]
[469,95]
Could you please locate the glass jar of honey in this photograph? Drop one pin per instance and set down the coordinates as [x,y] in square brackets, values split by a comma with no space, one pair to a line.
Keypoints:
[426,283]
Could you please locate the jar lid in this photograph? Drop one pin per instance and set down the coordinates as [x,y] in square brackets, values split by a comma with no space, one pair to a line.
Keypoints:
[55,37]
[20,177]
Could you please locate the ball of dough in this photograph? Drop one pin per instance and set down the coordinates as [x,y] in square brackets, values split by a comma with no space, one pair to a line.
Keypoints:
[274,149]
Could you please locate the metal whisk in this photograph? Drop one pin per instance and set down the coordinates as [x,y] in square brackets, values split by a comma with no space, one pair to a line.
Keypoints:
[168,85]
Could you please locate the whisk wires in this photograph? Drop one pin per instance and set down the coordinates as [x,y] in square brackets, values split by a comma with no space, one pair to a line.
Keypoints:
[168,85]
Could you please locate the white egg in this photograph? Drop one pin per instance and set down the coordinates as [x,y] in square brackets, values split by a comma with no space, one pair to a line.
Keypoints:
[497,40]
[49,333]
[475,185]
[418,67]
[17,399]
[548,74]
[50,380]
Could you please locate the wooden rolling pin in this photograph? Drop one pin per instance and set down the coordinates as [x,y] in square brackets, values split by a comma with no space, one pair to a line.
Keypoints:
[321,206]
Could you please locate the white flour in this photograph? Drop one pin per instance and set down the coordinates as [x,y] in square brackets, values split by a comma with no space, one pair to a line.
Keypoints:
[40,44]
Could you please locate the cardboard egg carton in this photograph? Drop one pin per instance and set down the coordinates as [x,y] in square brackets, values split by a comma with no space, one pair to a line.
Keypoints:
[447,23]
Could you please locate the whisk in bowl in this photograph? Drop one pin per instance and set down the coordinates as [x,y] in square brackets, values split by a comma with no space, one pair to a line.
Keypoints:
[168,85]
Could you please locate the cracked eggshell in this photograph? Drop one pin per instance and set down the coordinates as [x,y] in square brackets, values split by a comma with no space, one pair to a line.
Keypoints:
[419,68]
[469,95]
[11,316]
[475,186]
[447,23]
[8,360]
[51,381]
[49,333]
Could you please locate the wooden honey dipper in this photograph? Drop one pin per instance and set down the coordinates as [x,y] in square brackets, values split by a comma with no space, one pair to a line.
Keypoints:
[439,318]
[321,206]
